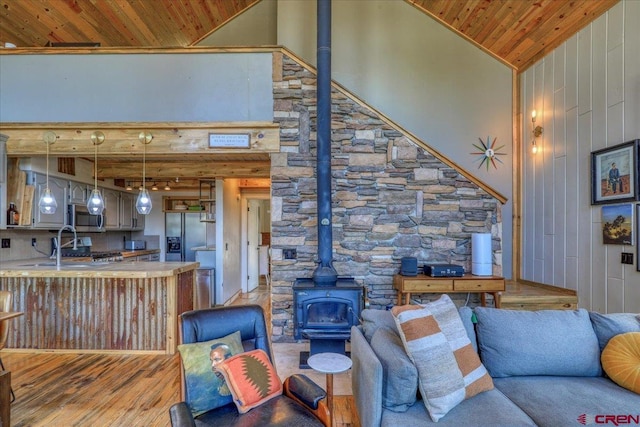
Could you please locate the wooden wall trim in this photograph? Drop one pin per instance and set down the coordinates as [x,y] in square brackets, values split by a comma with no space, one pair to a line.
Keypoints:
[169,138]
[518,142]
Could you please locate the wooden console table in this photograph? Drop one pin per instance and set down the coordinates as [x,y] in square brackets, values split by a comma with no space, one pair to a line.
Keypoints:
[407,285]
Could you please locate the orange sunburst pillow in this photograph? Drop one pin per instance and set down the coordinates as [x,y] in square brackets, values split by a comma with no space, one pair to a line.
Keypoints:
[621,360]
[251,378]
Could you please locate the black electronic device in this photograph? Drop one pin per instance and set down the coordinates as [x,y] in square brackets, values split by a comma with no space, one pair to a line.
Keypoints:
[409,266]
[443,270]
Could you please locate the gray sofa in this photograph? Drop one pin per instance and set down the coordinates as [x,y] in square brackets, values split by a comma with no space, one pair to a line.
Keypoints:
[545,367]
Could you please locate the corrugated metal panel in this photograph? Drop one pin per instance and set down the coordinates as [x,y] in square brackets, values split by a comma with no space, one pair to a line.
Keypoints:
[88,313]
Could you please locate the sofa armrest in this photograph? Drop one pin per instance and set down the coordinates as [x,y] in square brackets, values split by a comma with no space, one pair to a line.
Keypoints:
[366,379]
[181,415]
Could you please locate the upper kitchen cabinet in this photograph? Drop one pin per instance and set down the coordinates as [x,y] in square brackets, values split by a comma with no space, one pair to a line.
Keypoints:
[111,209]
[127,207]
[59,188]
[130,219]
[78,192]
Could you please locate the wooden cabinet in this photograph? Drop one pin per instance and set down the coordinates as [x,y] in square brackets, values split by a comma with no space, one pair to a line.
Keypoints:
[78,192]
[127,207]
[59,188]
[111,209]
[406,285]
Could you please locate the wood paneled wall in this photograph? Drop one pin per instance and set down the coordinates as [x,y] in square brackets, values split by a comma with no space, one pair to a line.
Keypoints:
[586,93]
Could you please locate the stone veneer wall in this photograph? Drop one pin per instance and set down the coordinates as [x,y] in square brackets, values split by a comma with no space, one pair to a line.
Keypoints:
[390,198]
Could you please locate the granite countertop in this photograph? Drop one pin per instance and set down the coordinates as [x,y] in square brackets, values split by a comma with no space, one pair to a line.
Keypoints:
[45,267]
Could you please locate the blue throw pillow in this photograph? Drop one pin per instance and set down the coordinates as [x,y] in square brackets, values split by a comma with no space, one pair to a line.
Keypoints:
[609,325]
[204,388]
[545,342]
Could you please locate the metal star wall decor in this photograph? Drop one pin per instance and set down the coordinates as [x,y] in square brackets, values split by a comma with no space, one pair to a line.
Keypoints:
[488,152]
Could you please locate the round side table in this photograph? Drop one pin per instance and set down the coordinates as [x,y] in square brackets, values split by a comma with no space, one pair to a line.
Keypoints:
[329,364]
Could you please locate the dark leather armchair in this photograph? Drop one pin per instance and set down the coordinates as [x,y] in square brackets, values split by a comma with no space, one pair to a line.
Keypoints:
[302,402]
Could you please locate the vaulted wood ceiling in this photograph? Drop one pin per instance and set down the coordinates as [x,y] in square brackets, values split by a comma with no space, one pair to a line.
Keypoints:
[517,32]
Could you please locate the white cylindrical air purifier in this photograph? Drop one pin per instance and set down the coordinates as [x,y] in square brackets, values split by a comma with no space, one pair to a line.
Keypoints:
[481,258]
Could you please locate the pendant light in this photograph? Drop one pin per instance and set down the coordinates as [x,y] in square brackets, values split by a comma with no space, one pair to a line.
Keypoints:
[47,202]
[143,203]
[95,204]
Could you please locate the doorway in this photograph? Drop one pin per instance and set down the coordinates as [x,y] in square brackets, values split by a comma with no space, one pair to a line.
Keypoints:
[255,232]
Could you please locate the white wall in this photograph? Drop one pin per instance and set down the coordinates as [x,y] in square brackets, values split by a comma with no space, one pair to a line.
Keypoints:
[254,27]
[587,94]
[136,87]
[229,249]
[421,75]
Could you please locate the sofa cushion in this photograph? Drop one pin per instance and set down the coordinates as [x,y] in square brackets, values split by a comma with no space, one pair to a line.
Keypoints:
[449,370]
[609,325]
[204,389]
[553,401]
[251,378]
[489,409]
[621,360]
[374,319]
[546,342]
[399,374]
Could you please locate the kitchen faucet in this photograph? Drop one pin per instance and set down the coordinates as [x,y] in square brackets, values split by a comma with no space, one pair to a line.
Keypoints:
[59,243]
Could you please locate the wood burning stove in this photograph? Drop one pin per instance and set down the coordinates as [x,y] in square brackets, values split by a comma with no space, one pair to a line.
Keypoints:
[326,306]
[324,314]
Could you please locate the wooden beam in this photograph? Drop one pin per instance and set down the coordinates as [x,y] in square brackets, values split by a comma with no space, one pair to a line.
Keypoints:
[122,139]
[164,171]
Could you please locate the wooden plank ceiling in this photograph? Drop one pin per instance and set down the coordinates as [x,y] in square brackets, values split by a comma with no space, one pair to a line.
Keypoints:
[517,32]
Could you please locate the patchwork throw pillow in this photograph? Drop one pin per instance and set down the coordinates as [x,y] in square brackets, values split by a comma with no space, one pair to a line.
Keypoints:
[621,360]
[252,379]
[204,388]
[449,370]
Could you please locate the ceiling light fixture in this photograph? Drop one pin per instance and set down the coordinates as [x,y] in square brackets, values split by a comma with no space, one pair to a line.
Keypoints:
[129,187]
[154,187]
[166,187]
[143,203]
[95,204]
[47,202]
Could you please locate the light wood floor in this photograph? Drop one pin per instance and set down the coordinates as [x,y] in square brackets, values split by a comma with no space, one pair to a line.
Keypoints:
[55,389]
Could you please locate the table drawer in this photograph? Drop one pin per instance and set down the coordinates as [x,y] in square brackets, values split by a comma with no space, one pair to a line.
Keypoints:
[428,286]
[477,285]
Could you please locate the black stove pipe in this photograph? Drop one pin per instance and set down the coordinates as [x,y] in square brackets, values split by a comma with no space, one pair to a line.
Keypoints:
[324,274]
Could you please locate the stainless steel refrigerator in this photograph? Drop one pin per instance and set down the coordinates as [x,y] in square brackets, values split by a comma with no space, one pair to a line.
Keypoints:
[183,232]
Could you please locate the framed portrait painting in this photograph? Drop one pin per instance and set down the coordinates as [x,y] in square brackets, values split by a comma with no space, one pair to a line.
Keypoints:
[614,174]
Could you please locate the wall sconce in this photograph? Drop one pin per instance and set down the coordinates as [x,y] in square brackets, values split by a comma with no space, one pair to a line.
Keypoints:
[95,203]
[536,130]
[143,203]
[47,202]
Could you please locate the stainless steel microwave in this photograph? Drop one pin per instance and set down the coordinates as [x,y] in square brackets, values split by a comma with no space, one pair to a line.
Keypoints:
[83,221]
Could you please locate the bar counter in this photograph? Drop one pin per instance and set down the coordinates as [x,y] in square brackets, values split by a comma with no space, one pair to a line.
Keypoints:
[117,307]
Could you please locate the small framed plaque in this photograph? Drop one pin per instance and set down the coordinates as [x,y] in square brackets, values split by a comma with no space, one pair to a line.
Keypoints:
[229,140]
